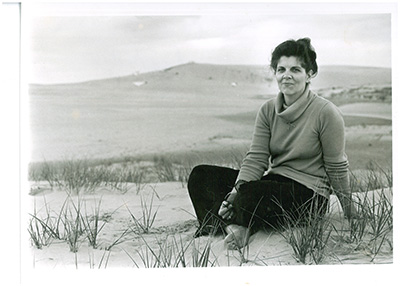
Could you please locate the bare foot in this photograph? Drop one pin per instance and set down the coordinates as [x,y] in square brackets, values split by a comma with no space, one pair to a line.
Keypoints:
[237,236]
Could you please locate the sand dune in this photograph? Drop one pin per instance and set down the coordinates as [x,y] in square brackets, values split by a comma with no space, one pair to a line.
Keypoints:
[176,108]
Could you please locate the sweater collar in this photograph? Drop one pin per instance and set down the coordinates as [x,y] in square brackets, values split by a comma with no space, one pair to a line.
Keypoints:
[296,109]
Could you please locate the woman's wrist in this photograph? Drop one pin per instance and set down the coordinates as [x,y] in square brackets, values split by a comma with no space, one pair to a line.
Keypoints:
[238,184]
[230,197]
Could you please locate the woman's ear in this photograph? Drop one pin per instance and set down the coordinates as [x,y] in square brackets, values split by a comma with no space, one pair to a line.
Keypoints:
[310,75]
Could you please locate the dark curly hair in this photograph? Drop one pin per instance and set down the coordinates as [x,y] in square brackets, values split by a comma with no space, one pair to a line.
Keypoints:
[301,49]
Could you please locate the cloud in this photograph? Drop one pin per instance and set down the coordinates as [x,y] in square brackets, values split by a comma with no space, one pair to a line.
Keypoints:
[75,48]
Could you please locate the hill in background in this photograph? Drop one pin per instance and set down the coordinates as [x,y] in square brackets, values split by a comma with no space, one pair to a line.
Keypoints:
[207,79]
[186,107]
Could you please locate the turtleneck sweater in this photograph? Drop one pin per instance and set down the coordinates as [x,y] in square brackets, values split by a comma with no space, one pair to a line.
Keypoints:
[303,141]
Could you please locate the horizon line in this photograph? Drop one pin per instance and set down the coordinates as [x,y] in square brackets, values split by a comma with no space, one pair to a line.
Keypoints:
[193,62]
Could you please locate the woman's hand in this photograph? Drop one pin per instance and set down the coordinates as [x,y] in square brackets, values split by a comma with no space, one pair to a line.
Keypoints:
[351,212]
[226,210]
[349,209]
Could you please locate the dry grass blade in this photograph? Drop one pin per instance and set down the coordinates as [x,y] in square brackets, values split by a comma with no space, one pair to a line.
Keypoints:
[92,225]
[133,260]
[201,257]
[118,240]
[73,225]
[146,221]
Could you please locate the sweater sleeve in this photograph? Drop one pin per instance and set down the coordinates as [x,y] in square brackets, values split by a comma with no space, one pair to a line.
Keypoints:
[256,160]
[332,136]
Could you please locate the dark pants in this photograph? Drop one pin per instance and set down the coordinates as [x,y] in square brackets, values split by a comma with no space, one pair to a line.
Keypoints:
[269,202]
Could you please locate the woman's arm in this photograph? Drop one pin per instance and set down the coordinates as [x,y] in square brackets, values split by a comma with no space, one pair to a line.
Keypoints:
[256,160]
[332,136]
[341,185]
[254,164]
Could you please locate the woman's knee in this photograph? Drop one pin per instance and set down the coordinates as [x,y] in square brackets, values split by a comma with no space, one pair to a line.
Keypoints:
[197,177]
[211,177]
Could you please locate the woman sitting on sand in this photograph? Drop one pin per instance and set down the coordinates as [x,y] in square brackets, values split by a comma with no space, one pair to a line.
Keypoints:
[298,140]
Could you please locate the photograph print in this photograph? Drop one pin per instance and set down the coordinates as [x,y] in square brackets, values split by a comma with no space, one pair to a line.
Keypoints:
[207,135]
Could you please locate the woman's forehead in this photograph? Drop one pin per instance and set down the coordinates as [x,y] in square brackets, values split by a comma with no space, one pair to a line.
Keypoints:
[289,61]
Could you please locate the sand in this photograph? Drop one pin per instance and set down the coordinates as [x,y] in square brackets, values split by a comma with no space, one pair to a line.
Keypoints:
[114,130]
[173,229]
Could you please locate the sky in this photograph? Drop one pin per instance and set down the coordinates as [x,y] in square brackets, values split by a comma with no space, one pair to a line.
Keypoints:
[72,43]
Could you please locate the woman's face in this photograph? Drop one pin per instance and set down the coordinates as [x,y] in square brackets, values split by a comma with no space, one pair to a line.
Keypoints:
[291,76]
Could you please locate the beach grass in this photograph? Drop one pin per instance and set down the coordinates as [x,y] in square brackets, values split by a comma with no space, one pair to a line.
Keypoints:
[307,234]
[74,223]
[40,230]
[144,223]
[93,224]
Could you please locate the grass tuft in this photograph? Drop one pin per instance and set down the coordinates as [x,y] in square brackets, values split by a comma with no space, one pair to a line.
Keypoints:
[308,235]
[146,221]
[92,226]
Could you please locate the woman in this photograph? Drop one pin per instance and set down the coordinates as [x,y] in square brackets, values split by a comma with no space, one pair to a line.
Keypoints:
[298,140]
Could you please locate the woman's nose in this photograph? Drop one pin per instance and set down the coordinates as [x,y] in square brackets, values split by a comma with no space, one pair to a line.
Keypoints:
[287,76]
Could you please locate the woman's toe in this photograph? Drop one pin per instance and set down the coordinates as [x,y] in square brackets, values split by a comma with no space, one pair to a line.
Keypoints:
[237,237]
